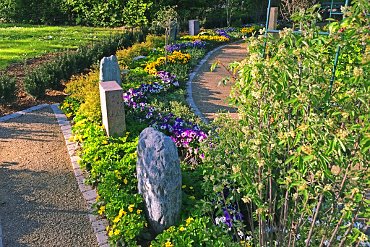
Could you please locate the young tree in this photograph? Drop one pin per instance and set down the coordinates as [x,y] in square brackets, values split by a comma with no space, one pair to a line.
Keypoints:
[288,7]
[165,18]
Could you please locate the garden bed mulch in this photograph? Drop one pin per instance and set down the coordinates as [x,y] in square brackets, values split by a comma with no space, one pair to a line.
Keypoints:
[23,100]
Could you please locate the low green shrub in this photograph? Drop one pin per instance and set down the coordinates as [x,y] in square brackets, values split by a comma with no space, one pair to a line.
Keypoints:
[50,75]
[125,56]
[7,88]
[84,88]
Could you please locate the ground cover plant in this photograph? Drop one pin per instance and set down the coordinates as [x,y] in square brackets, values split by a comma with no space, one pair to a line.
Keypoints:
[20,42]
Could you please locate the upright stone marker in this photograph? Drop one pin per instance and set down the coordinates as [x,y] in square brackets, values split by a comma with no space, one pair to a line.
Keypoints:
[159,178]
[109,69]
[173,31]
[273,18]
[112,108]
[193,27]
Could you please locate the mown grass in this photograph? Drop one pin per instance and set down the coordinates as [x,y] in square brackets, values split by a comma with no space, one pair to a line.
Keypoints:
[19,42]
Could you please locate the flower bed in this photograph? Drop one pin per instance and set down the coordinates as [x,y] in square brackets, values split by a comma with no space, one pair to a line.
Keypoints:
[298,156]
[155,99]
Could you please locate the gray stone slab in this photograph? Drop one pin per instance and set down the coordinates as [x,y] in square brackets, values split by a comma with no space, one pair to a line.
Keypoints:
[109,69]
[112,107]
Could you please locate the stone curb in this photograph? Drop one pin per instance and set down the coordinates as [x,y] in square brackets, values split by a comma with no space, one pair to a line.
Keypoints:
[189,87]
[21,113]
[89,194]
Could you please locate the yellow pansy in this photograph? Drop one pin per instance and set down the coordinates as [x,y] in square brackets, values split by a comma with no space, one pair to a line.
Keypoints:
[101,210]
[168,244]
[131,208]
[189,220]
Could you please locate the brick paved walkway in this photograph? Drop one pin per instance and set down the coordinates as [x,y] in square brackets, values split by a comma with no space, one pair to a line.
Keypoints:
[208,96]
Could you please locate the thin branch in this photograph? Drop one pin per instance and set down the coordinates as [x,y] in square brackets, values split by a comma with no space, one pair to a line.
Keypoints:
[314,220]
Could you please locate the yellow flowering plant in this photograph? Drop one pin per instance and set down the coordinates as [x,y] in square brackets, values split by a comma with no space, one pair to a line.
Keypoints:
[177,57]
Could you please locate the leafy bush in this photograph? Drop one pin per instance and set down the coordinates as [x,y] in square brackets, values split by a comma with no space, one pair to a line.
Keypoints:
[62,68]
[296,165]
[34,12]
[7,88]
[85,90]
[125,56]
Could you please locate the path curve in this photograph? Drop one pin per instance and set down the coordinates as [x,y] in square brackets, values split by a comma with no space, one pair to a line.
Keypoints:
[208,96]
[40,200]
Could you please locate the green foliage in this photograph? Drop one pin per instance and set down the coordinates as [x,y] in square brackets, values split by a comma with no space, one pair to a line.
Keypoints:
[62,68]
[7,88]
[111,163]
[199,231]
[45,12]
[134,13]
[296,163]
[85,90]
[125,56]
[97,13]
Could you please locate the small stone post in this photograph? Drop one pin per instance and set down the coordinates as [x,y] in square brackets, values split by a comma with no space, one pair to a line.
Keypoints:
[112,108]
[173,32]
[159,178]
[273,18]
[109,69]
[193,27]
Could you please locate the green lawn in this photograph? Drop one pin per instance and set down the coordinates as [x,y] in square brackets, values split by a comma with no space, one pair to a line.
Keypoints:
[18,42]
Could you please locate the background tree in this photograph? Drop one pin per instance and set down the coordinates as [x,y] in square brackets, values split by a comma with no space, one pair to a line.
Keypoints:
[135,13]
[288,7]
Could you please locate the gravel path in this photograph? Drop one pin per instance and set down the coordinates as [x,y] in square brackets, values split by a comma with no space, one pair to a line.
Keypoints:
[40,202]
[209,97]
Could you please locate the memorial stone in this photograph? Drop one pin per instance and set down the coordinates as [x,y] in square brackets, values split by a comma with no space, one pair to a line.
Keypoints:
[159,178]
[193,27]
[112,108]
[109,69]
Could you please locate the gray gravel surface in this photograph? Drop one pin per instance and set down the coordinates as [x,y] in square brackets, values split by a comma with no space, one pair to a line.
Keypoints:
[40,203]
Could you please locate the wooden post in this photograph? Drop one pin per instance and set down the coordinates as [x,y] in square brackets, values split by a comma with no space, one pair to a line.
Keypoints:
[273,18]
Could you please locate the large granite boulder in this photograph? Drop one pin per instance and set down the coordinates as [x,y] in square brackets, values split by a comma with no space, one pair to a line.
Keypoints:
[109,69]
[159,178]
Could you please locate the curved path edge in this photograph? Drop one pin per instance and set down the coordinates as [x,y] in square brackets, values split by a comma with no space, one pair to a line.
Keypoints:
[89,194]
[21,113]
[193,74]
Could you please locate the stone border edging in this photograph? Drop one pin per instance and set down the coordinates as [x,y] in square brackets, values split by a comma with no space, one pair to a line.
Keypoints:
[189,87]
[89,194]
[21,113]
